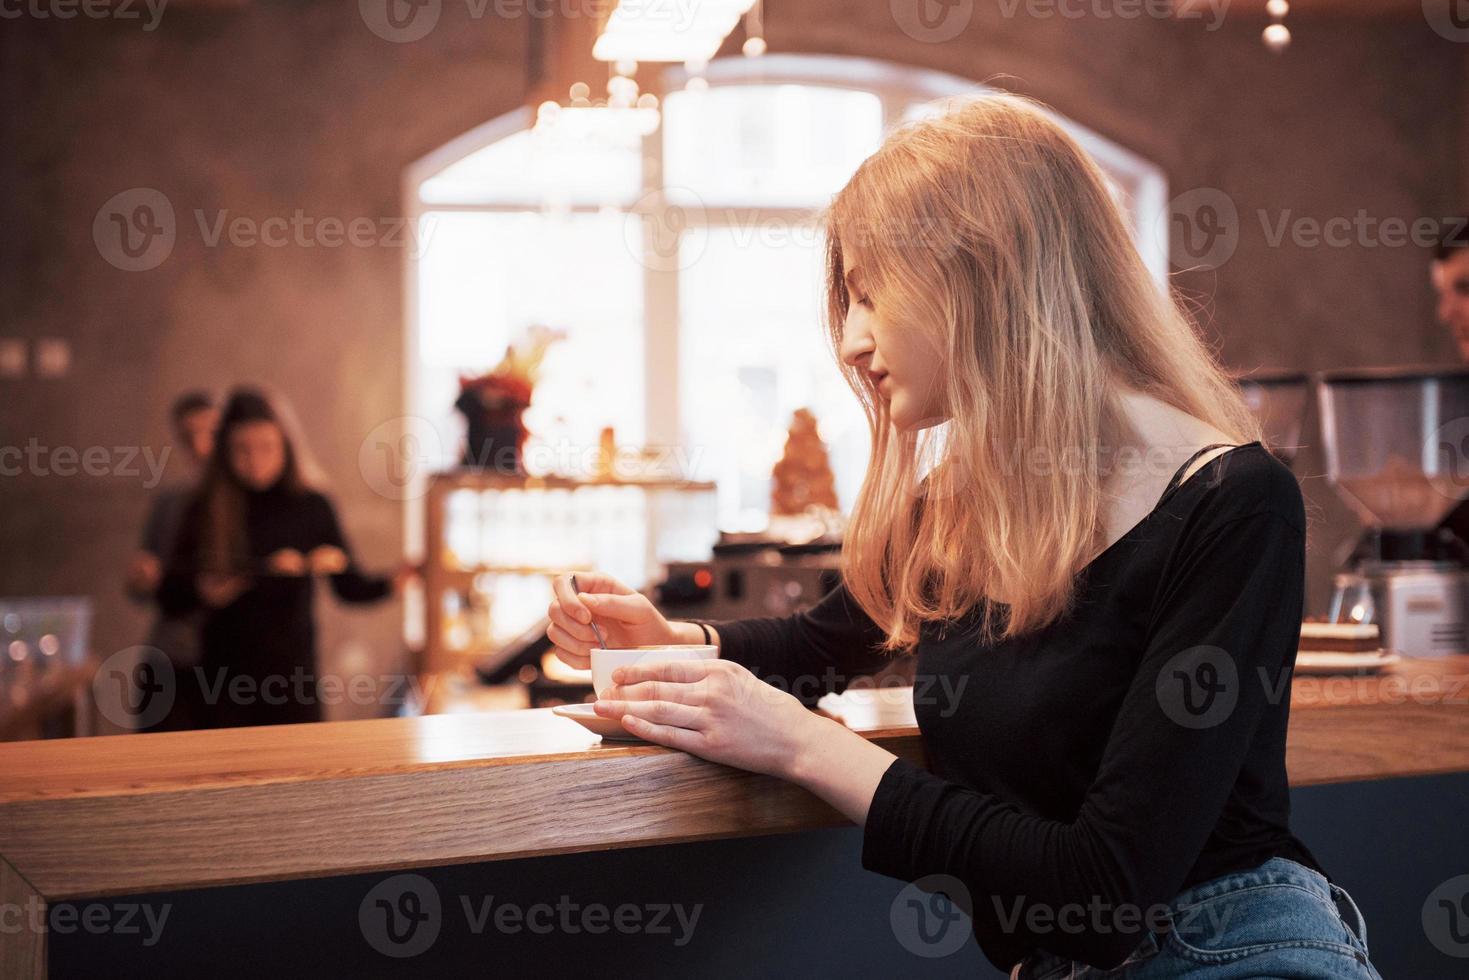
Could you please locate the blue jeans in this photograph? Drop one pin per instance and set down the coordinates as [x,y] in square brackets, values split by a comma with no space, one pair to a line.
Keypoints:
[1279,920]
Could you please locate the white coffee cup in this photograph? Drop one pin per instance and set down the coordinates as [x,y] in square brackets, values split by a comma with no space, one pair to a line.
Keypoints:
[604,662]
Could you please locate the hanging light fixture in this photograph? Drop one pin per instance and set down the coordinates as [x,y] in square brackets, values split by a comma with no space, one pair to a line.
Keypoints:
[1276,35]
[624,115]
[690,31]
[754,45]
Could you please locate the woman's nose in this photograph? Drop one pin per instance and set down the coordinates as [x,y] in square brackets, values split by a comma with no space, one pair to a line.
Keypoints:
[856,342]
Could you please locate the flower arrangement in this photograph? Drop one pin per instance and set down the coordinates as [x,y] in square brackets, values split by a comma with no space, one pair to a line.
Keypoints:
[492,404]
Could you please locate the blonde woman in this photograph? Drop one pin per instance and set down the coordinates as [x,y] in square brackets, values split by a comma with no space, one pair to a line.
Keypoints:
[1070,521]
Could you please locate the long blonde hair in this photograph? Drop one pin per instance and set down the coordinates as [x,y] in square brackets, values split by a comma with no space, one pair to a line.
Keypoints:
[990,230]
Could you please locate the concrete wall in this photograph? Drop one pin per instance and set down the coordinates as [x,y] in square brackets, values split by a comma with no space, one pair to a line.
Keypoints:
[269,107]
[258,113]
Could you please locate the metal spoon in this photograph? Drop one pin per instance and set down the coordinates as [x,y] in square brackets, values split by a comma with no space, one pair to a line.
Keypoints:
[600,639]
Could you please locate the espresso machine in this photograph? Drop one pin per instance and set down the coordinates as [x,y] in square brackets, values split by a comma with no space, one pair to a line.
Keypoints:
[1396,443]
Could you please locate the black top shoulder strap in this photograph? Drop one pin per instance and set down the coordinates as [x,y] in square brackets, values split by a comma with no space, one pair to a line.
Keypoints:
[1178,477]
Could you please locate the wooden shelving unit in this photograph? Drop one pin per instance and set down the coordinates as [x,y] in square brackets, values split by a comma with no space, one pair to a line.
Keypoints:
[528,528]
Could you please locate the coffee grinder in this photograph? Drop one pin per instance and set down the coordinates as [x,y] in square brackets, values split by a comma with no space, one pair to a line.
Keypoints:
[1396,443]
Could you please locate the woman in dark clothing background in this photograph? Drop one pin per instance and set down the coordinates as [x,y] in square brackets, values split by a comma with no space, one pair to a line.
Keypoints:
[249,548]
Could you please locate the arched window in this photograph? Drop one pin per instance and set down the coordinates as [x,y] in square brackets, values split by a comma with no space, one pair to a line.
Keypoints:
[684,265]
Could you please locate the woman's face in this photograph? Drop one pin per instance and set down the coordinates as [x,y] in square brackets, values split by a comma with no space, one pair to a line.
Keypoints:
[257,454]
[903,363]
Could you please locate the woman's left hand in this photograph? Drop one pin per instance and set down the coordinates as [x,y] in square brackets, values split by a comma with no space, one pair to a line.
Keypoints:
[714,709]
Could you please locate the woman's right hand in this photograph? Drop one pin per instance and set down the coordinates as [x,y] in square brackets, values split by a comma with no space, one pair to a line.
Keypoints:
[626,618]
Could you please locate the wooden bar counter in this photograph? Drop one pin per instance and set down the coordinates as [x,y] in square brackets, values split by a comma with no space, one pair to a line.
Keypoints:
[96,817]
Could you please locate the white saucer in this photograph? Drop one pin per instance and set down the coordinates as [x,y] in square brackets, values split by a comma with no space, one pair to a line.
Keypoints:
[584,715]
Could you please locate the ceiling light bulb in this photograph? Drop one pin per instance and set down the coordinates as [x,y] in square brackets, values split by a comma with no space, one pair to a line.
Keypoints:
[1277,37]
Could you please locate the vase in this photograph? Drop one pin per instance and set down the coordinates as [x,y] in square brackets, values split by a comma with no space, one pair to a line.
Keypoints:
[495,439]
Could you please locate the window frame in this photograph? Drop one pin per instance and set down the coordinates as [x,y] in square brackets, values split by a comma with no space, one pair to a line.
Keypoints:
[897,86]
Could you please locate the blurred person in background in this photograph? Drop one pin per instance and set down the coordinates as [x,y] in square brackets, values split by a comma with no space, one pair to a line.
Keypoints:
[1449,273]
[248,550]
[192,418]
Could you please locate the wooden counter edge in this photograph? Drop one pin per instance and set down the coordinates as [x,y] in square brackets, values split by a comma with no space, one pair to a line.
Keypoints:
[97,846]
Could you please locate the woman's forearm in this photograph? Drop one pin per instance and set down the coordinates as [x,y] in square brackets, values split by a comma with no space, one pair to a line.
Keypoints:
[830,760]
[840,766]
[692,633]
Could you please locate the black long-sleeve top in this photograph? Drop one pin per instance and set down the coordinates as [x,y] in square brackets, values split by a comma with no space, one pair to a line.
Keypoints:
[270,629]
[1129,750]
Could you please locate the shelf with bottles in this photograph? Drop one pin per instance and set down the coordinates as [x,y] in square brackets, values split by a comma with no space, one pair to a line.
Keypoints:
[494,541]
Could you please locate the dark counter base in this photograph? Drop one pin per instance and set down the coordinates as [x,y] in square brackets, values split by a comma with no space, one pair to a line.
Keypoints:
[790,905]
